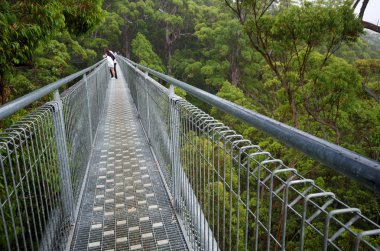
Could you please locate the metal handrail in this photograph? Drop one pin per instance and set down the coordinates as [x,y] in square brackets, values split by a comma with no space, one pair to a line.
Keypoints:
[17,104]
[44,160]
[231,195]
[364,170]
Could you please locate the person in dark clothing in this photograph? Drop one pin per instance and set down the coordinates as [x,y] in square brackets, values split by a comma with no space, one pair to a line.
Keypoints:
[112,55]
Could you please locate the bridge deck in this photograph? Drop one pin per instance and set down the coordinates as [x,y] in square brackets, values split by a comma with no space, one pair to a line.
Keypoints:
[125,205]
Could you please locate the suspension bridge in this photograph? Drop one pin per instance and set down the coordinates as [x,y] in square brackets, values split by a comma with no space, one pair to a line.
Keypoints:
[126,164]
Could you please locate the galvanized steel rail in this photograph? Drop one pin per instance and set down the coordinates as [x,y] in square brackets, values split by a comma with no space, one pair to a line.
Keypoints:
[17,104]
[351,164]
[241,198]
[229,193]
[43,161]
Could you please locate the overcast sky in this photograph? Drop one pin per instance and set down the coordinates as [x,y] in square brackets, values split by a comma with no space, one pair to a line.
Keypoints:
[372,12]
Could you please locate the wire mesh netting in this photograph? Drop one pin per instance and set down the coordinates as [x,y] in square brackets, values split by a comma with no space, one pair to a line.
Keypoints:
[229,193]
[36,206]
[153,107]
[31,210]
[125,205]
[82,109]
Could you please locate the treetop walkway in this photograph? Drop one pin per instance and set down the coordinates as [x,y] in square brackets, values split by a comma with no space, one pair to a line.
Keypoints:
[128,165]
[125,205]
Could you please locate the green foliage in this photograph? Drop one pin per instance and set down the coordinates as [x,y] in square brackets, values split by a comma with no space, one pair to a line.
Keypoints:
[50,63]
[368,66]
[301,64]
[235,95]
[21,31]
[143,53]
[329,96]
[20,85]
[25,203]
[180,92]
[286,40]
[105,35]
[367,47]
[82,15]
[310,24]
[369,69]
[26,25]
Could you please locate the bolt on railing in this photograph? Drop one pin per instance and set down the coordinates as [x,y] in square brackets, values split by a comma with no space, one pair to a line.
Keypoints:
[231,195]
[44,158]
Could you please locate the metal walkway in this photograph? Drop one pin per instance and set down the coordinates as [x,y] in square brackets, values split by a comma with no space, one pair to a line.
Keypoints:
[125,205]
[84,157]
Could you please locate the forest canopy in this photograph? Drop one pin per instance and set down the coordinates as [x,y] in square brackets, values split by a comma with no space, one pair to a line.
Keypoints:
[308,64]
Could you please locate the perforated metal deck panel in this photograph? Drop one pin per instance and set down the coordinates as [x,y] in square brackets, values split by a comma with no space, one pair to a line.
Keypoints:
[125,205]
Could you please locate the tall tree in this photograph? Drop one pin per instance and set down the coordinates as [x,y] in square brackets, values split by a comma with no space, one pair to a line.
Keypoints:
[286,37]
[26,24]
[369,69]
[106,35]
[143,53]
[177,19]
[135,14]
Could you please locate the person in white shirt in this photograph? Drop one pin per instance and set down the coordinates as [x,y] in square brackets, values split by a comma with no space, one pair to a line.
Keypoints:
[110,64]
[112,55]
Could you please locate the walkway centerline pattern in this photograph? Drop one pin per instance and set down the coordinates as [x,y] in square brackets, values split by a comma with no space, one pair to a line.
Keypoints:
[125,205]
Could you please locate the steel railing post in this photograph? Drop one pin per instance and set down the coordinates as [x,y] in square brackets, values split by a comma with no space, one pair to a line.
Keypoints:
[97,93]
[147,106]
[63,159]
[19,103]
[174,144]
[136,92]
[355,166]
[261,181]
[88,107]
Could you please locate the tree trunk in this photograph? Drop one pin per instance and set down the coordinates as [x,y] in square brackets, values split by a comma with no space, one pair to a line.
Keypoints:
[362,9]
[235,75]
[280,228]
[125,42]
[355,4]
[128,49]
[371,93]
[337,136]
[235,70]
[170,51]
[366,25]
[170,37]
[293,107]
[3,92]
[371,26]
